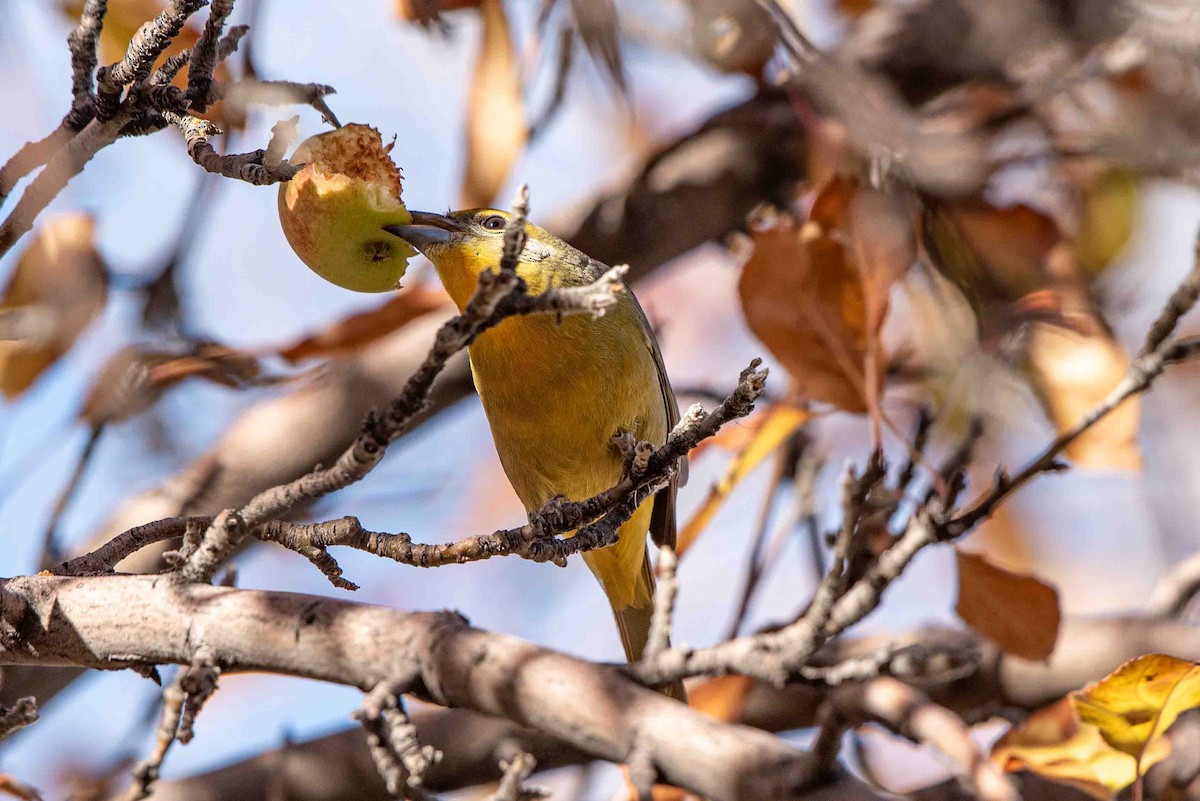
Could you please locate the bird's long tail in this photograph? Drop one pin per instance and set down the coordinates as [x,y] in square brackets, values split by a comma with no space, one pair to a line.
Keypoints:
[633,621]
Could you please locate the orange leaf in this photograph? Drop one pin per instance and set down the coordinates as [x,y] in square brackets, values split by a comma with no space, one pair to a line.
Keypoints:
[357,330]
[806,304]
[721,698]
[1072,373]
[1017,612]
[776,425]
[496,127]
[61,283]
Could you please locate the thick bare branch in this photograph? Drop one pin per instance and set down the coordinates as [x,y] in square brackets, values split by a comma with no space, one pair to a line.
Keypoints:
[908,712]
[121,621]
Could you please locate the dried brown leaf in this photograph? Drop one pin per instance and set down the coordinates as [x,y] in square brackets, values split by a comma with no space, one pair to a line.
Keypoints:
[597,24]
[62,282]
[496,126]
[994,256]
[805,302]
[135,377]
[353,332]
[1017,612]
[818,296]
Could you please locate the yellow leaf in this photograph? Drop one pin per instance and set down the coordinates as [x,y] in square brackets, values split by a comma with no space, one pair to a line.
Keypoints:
[777,424]
[62,282]
[1137,702]
[1017,612]
[496,127]
[1054,743]
[1072,373]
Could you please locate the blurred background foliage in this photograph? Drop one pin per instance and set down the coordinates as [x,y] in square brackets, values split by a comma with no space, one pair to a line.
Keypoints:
[971,210]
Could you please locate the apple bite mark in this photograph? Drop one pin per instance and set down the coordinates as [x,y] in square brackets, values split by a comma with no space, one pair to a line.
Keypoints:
[333,211]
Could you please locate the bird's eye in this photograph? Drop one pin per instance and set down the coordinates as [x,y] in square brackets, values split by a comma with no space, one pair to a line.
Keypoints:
[494,223]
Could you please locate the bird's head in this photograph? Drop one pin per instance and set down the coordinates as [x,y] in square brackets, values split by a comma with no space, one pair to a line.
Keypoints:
[462,244]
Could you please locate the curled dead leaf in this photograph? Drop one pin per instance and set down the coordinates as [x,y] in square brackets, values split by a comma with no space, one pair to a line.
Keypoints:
[817,296]
[58,287]
[1018,612]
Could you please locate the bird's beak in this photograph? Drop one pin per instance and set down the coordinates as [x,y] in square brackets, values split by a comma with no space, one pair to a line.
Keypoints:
[427,229]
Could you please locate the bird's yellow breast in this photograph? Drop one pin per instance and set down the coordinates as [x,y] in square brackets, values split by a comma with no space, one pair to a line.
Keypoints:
[556,393]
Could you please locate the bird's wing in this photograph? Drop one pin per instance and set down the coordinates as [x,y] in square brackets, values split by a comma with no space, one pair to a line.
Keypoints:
[662,521]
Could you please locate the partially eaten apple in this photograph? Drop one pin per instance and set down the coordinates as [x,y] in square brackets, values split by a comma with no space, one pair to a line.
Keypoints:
[333,211]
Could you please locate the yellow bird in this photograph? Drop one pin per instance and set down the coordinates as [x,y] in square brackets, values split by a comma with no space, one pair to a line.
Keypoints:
[556,392]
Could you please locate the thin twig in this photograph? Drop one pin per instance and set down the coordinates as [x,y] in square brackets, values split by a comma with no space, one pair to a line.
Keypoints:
[512,784]
[596,519]
[30,156]
[253,167]
[50,553]
[400,759]
[754,569]
[147,45]
[204,54]
[659,638]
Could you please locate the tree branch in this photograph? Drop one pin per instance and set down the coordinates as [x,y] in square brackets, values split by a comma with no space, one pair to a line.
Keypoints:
[121,621]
